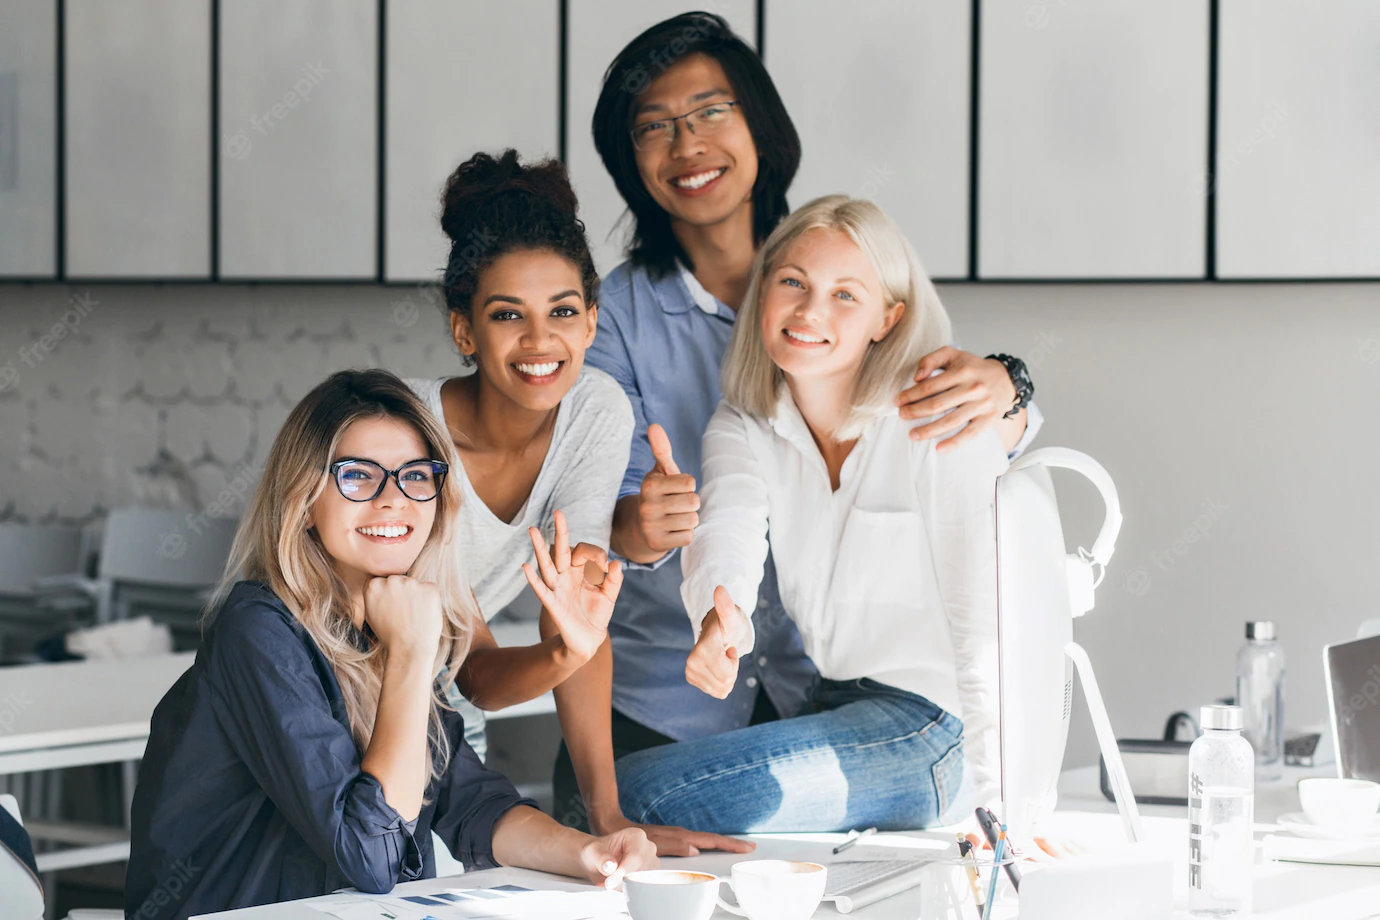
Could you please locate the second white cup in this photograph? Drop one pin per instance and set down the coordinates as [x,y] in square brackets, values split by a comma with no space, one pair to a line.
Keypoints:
[776,889]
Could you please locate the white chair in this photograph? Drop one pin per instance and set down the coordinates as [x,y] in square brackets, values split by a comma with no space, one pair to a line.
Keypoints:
[27,555]
[154,561]
[21,897]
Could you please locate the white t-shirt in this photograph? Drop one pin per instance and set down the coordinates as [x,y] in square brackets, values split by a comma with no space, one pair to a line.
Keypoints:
[580,476]
[892,576]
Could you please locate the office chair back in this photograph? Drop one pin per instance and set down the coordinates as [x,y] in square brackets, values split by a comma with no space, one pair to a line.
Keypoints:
[162,547]
[21,892]
[28,553]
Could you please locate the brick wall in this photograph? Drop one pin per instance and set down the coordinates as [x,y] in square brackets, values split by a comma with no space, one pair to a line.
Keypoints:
[161,395]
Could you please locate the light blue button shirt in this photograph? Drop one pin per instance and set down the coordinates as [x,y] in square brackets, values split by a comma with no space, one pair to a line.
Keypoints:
[663,341]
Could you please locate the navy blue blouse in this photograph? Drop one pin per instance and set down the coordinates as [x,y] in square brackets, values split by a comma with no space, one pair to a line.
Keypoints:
[251,791]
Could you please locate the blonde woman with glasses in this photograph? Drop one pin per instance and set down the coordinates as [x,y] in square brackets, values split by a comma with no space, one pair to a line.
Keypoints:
[310,747]
[884,548]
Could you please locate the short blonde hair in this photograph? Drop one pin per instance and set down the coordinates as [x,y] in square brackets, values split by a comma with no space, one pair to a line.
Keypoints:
[751,382]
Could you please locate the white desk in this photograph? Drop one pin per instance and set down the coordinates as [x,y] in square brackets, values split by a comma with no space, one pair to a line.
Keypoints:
[1282,891]
[77,713]
[73,714]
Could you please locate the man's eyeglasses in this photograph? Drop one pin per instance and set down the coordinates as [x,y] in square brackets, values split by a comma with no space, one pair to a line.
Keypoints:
[364,480]
[702,121]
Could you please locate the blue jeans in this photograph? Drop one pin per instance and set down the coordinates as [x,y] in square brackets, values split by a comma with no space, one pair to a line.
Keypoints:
[871,755]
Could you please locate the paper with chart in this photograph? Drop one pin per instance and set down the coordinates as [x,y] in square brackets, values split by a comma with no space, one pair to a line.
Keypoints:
[506,901]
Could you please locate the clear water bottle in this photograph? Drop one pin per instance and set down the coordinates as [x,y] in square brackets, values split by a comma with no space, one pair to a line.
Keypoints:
[1260,694]
[1221,812]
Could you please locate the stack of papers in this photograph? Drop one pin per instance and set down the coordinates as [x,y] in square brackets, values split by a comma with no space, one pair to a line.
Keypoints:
[507,901]
[1322,852]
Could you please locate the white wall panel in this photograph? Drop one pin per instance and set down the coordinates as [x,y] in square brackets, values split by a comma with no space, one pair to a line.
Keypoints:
[1092,139]
[299,152]
[880,99]
[28,138]
[138,138]
[462,77]
[1298,139]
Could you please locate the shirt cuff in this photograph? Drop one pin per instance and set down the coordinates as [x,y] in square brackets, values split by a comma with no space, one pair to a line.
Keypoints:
[479,853]
[375,817]
[698,597]
[1034,419]
[645,566]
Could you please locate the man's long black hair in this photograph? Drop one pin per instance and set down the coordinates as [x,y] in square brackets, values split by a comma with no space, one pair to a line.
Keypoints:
[646,57]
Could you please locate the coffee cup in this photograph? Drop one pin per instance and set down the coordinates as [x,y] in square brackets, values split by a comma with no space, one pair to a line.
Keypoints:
[669,894]
[776,889]
[1331,802]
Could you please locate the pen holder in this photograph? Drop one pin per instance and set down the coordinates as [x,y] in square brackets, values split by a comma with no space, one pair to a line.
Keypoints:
[947,889]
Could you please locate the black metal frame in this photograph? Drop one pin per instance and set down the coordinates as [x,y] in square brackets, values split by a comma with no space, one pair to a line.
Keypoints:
[378,277]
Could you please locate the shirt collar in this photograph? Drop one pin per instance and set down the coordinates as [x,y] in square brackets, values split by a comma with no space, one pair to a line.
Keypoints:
[702,298]
[787,422]
[682,292]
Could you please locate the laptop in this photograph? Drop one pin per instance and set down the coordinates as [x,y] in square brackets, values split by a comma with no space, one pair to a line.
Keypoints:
[1352,672]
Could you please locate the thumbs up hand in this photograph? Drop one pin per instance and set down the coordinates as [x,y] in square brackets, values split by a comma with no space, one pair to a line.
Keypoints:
[667,508]
[713,663]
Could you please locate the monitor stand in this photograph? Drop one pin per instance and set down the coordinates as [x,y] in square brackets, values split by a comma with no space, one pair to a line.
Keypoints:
[1106,740]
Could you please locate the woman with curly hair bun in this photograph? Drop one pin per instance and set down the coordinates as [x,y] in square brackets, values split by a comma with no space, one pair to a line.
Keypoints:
[543,441]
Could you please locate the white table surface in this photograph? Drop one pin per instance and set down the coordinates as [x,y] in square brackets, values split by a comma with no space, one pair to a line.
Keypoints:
[1283,891]
[81,712]
[76,713]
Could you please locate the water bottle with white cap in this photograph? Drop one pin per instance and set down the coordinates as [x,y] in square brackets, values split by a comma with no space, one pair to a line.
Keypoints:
[1221,812]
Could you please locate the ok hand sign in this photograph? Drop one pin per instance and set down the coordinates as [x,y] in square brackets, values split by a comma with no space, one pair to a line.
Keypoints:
[580,608]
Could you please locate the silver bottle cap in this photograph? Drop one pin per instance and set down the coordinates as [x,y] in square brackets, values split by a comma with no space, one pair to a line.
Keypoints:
[1260,629]
[1222,718]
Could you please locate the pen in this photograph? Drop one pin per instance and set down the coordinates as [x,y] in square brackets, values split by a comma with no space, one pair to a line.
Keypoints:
[852,841]
[965,850]
[990,826]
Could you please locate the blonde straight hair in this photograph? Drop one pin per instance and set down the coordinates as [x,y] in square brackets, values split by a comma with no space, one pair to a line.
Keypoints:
[274,546]
[752,382]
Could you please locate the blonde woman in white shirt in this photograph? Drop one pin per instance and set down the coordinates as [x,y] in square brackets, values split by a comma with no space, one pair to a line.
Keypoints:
[885,553]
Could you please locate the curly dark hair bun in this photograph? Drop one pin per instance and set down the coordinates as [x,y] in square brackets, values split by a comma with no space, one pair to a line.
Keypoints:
[491,207]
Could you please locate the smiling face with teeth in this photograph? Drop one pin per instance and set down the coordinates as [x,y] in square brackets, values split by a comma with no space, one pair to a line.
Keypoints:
[822,307]
[383,536]
[698,179]
[528,328]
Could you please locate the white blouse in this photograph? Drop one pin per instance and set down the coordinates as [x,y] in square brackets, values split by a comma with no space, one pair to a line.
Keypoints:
[891,577]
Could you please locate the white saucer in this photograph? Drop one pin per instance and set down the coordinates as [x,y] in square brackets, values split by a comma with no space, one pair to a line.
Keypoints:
[1296,822]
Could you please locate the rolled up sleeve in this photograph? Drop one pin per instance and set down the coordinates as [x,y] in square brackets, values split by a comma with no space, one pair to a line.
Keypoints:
[469,801]
[268,698]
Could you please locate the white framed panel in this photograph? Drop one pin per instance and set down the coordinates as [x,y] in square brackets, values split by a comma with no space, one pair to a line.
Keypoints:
[1298,139]
[596,31]
[1092,139]
[299,139]
[28,138]
[462,77]
[889,118]
[138,139]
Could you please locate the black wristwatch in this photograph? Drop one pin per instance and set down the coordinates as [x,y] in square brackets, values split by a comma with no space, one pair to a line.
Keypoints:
[1020,379]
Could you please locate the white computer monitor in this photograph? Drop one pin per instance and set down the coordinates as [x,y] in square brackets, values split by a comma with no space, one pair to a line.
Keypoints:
[1041,588]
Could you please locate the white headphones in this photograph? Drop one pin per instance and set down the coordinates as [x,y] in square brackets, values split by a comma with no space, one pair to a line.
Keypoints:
[1079,566]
